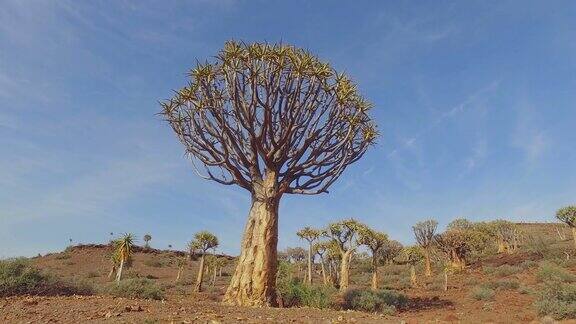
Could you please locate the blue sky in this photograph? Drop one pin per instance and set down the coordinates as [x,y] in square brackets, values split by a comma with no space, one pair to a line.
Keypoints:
[475,101]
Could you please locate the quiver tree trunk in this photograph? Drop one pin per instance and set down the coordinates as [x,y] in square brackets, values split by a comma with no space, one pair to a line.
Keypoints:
[445,279]
[574,235]
[413,280]
[310,263]
[324,278]
[254,280]
[119,273]
[200,277]
[427,263]
[112,269]
[374,273]
[179,274]
[345,270]
[501,246]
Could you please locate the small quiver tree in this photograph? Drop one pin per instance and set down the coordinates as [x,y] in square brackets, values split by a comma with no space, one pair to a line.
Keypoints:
[412,255]
[424,233]
[203,241]
[181,263]
[147,239]
[310,235]
[375,242]
[274,120]
[320,249]
[390,250]
[506,235]
[123,249]
[343,235]
[568,216]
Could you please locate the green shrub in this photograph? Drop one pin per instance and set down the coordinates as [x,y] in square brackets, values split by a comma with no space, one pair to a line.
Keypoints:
[154,263]
[482,293]
[385,301]
[62,256]
[506,270]
[17,277]
[92,274]
[557,299]
[538,245]
[502,284]
[551,272]
[136,288]
[297,293]
[525,290]
[528,264]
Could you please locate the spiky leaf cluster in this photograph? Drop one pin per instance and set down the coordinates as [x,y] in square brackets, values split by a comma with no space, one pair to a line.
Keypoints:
[308,234]
[567,215]
[203,241]
[271,107]
[424,232]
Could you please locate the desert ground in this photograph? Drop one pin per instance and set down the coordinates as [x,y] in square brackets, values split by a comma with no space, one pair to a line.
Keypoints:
[427,303]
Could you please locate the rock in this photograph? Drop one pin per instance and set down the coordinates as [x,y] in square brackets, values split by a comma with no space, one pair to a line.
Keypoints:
[108,315]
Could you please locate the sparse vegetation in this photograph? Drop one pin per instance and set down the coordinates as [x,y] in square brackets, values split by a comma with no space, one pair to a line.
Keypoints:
[548,272]
[136,288]
[18,277]
[425,237]
[482,293]
[203,241]
[384,301]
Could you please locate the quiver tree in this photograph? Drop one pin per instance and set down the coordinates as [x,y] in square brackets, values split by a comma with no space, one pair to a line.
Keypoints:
[461,239]
[412,255]
[296,255]
[310,235]
[390,250]
[274,120]
[181,263]
[123,250]
[375,241]
[568,216]
[505,233]
[203,241]
[147,239]
[343,235]
[455,244]
[320,249]
[424,233]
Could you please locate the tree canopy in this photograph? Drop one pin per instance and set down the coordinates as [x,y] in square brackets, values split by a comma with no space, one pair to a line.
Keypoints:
[260,107]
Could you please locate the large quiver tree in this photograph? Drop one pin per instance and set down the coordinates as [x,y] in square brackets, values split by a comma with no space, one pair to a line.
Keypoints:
[568,216]
[272,119]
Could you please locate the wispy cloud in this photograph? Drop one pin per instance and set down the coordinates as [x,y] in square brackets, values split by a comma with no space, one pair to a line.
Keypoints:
[476,158]
[528,135]
[467,103]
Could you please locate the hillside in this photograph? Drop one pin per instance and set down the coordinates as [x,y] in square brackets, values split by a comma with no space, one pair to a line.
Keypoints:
[509,280]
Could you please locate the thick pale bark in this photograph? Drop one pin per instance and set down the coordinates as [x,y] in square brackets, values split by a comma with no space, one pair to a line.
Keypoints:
[200,277]
[310,263]
[324,279]
[501,246]
[445,280]
[413,280]
[374,273]
[345,270]
[254,280]
[574,235]
[112,269]
[214,276]
[428,263]
[457,262]
[119,273]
